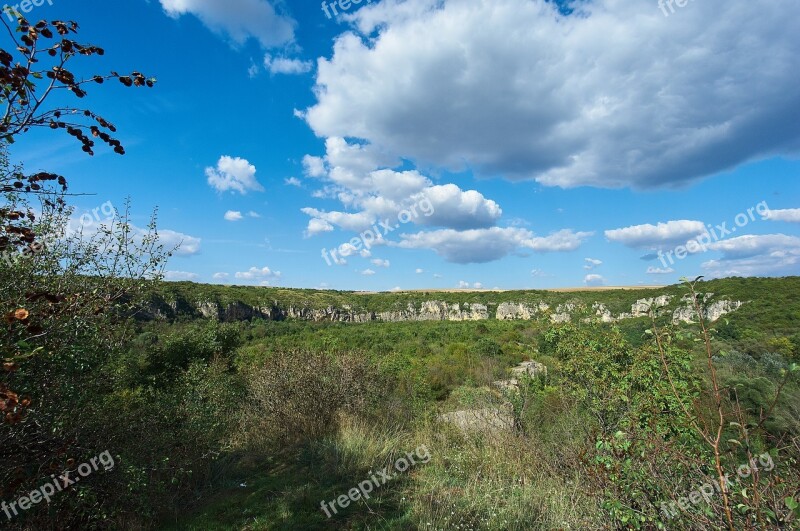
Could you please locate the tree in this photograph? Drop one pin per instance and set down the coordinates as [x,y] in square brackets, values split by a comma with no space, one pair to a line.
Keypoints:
[61,295]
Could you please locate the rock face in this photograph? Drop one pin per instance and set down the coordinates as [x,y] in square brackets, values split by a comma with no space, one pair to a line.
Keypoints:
[529,368]
[711,312]
[439,311]
[489,420]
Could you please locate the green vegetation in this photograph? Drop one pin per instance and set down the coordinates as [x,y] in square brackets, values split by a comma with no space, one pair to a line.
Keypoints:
[253,424]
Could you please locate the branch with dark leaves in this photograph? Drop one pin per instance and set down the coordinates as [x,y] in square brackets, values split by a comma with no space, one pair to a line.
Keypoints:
[20,72]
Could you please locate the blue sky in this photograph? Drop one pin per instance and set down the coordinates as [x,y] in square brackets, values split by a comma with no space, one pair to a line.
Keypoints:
[551,149]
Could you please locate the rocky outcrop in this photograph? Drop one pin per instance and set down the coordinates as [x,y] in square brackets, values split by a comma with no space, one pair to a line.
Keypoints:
[435,310]
[488,420]
[513,310]
[711,312]
[526,369]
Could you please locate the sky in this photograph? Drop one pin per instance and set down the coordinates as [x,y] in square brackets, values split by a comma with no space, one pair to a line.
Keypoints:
[432,144]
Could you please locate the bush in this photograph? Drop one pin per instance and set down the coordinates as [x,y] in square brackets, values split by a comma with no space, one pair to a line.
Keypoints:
[298,396]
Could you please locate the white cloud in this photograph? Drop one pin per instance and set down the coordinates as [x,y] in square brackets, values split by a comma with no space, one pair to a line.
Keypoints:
[659,271]
[317,226]
[347,249]
[380,262]
[188,245]
[561,241]
[463,284]
[234,174]
[458,209]
[470,246]
[253,214]
[756,255]
[613,95]
[263,274]
[662,236]
[233,215]
[486,245]
[591,263]
[791,215]
[419,271]
[396,289]
[368,272]
[292,181]
[753,245]
[180,275]
[594,280]
[360,178]
[238,19]
[313,166]
[283,65]
[171,241]
[355,222]
[220,276]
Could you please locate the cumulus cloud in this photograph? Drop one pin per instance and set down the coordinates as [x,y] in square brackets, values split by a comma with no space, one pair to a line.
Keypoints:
[659,270]
[756,255]
[235,174]
[186,245]
[591,263]
[355,222]
[232,215]
[178,243]
[594,280]
[360,178]
[313,166]
[380,262]
[220,276]
[561,241]
[368,272]
[419,271]
[317,226]
[458,209]
[661,236]
[180,275]
[612,95]
[486,245]
[791,215]
[264,274]
[283,65]
[292,181]
[240,20]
